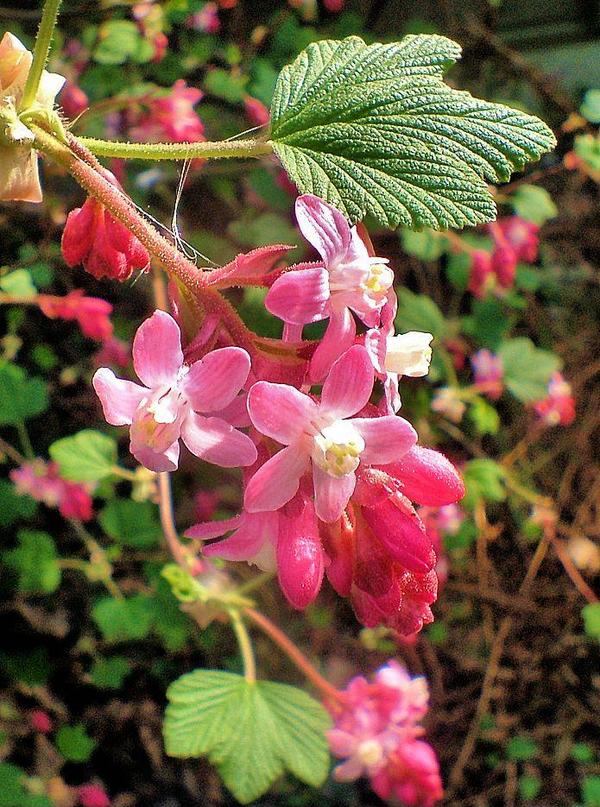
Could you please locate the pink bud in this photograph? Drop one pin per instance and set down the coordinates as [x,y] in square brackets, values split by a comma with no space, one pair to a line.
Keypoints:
[256,112]
[73,100]
[40,721]
[300,562]
[92,795]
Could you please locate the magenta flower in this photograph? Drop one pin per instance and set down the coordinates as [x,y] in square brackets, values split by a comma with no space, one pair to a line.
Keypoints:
[173,395]
[347,280]
[322,437]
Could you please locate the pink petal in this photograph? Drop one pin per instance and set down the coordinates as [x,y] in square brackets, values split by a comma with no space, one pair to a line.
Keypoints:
[214,440]
[427,477]
[324,227]
[277,481]
[349,384]
[119,398]
[212,383]
[280,411]
[332,493]
[300,562]
[167,460]
[386,438]
[213,529]
[300,296]
[402,534]
[247,541]
[338,337]
[157,355]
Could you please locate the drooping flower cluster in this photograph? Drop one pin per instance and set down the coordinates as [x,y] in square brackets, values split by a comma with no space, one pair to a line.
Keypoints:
[330,479]
[170,118]
[377,733]
[92,314]
[515,239]
[42,481]
[558,408]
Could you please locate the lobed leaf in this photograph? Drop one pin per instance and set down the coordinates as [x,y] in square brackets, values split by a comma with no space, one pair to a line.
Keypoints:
[373,129]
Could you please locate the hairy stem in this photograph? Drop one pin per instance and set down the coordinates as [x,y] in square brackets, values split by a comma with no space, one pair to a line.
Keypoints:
[40,52]
[254,147]
[245,646]
[295,655]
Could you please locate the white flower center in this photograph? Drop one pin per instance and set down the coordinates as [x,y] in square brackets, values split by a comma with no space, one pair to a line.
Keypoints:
[337,448]
[379,279]
[160,417]
[370,753]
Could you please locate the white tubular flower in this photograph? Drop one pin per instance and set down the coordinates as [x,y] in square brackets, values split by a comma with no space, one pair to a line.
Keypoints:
[409,353]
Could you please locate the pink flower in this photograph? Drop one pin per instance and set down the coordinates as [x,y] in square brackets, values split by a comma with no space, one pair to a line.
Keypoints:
[92,795]
[558,408]
[171,117]
[91,313]
[42,482]
[522,235]
[488,371]
[113,351]
[19,175]
[447,402]
[256,112]
[347,280]
[73,100]
[375,730]
[105,247]
[481,274]
[40,721]
[173,395]
[206,20]
[322,438]
[393,356]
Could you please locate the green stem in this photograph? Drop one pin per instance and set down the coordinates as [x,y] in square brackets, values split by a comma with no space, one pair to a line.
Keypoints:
[253,147]
[25,441]
[245,646]
[40,52]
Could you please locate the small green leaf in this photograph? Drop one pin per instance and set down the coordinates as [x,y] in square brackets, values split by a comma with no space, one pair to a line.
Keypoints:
[527,369]
[417,312]
[36,562]
[109,673]
[18,283]
[21,396]
[521,749]
[252,732]
[225,85]
[426,245]
[374,129]
[124,620]
[587,148]
[13,506]
[74,743]
[590,791]
[87,456]
[487,324]
[591,619]
[529,787]
[484,479]
[582,752]
[118,41]
[534,204]
[484,417]
[13,790]
[131,523]
[590,106]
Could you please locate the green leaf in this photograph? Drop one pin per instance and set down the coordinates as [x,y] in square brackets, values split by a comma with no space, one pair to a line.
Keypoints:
[484,480]
[109,673]
[587,148]
[487,324]
[425,245]
[417,312]
[529,787]
[124,620]
[13,506]
[32,668]
[21,396]
[252,732]
[582,752]
[374,129]
[484,417]
[74,743]
[534,204]
[521,749]
[87,456]
[590,106]
[36,562]
[527,369]
[225,85]
[18,283]
[13,790]
[590,791]
[131,523]
[118,41]
[591,619]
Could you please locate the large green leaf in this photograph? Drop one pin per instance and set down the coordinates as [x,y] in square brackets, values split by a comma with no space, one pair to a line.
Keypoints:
[374,129]
[527,368]
[87,456]
[252,732]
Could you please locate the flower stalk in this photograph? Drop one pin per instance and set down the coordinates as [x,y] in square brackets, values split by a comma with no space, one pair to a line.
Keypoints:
[40,53]
[254,147]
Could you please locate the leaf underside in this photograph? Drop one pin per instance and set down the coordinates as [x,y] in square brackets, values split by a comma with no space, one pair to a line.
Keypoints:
[374,129]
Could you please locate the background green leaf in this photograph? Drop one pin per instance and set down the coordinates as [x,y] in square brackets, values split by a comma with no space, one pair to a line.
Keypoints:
[527,368]
[87,456]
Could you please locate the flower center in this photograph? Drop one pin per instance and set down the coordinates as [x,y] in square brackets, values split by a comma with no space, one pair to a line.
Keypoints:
[158,420]
[370,753]
[337,448]
[379,279]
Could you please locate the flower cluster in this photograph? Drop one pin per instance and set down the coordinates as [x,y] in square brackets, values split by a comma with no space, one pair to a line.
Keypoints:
[92,314]
[330,479]
[42,481]
[558,407]
[376,731]
[515,239]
